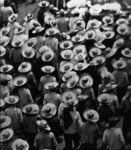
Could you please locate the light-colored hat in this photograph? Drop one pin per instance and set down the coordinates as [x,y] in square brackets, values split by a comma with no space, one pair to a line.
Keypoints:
[20,144]
[66,66]
[48,69]
[17,42]
[104,98]
[49,110]
[79,25]
[68,75]
[94,51]
[6,68]
[69,98]
[122,29]
[91,115]
[43,125]
[109,87]
[109,34]
[28,52]
[100,45]
[2,103]
[126,52]
[44,49]
[51,85]
[90,35]
[6,135]
[80,49]
[93,24]
[85,81]
[2,51]
[78,38]
[67,54]
[24,67]
[95,10]
[38,29]
[43,4]
[99,60]
[80,66]
[20,81]
[119,64]
[80,57]
[19,29]
[12,99]
[4,41]
[5,121]
[72,82]
[47,56]
[118,43]
[52,31]
[67,44]
[107,27]
[31,42]
[5,31]
[121,21]
[30,109]
[28,17]
[12,17]
[108,19]
[109,52]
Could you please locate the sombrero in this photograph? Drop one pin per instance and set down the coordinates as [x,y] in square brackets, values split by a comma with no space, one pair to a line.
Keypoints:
[28,52]
[2,103]
[12,17]
[126,52]
[28,17]
[119,64]
[106,27]
[72,82]
[20,144]
[108,19]
[31,42]
[6,68]
[51,85]
[67,54]
[66,66]
[121,21]
[91,115]
[80,49]
[109,52]
[100,45]
[5,121]
[122,29]
[93,24]
[43,125]
[47,56]
[4,40]
[85,81]
[94,51]
[78,38]
[17,42]
[68,75]
[90,35]
[19,29]
[5,77]
[44,49]
[12,99]
[49,110]
[69,97]
[5,31]
[48,18]
[79,25]
[99,60]
[109,34]
[43,4]
[80,57]
[95,10]
[6,135]
[24,67]
[38,29]
[119,42]
[2,51]
[104,98]
[30,109]
[80,66]
[20,81]
[48,69]
[52,31]
[67,44]
[109,87]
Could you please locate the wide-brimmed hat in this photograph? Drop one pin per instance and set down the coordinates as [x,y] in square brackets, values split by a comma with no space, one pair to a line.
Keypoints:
[94,51]
[119,42]
[67,54]
[12,99]
[51,85]
[17,42]
[95,10]
[12,17]
[28,52]
[4,40]
[100,45]
[119,64]
[20,144]
[108,19]
[78,38]
[47,56]
[19,81]
[48,69]
[79,25]
[43,4]
[80,66]
[28,17]
[30,109]
[44,49]
[38,29]
[6,135]
[66,66]
[68,75]
[93,24]
[90,35]
[43,125]
[5,31]
[24,67]
[49,110]
[109,34]
[72,82]
[2,103]
[80,49]
[80,57]
[2,51]
[31,42]
[85,81]
[109,87]
[122,29]
[69,98]
[91,115]
[19,29]
[104,98]
[126,52]
[67,44]
[5,121]
[109,52]
[52,31]
[6,68]
[99,60]
[107,27]
[121,21]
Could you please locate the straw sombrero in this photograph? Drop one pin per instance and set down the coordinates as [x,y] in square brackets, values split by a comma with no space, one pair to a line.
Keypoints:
[67,44]
[104,98]
[31,42]
[122,29]
[85,81]
[19,29]
[94,51]
[28,17]
[28,52]
[6,135]
[80,66]
[44,49]
[109,34]
[126,52]
[49,110]
[5,31]
[48,69]
[43,4]
[5,121]
[80,49]
[91,115]
[4,40]
[109,52]
[38,29]
[78,38]
[109,87]
[108,19]
[2,51]
[30,109]
[43,125]
[106,27]
[66,66]
[20,81]
[52,31]
[47,56]
[119,42]
[24,67]
[119,64]
[67,54]
[95,10]
[12,99]
[93,24]
[68,75]
[80,57]
[99,60]
[51,85]
[100,45]
[17,42]
[6,68]
[20,144]
[72,82]
[121,21]
[12,17]
[90,35]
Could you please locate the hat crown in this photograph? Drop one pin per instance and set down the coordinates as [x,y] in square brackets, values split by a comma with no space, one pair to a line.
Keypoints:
[66,67]
[77,38]
[19,82]
[119,64]
[2,120]
[108,34]
[69,96]
[6,134]
[79,66]
[30,43]
[66,44]
[5,68]
[99,61]
[19,147]
[12,100]
[48,109]
[29,109]
[90,115]
[90,34]
[28,53]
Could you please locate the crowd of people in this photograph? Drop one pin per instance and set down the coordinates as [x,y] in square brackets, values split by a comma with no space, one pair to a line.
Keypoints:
[66,76]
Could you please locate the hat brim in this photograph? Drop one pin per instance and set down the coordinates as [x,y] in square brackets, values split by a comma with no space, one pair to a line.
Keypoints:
[21,78]
[6,123]
[26,69]
[19,142]
[34,111]
[11,132]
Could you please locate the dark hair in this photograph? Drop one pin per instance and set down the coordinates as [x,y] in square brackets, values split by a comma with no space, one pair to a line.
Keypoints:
[4,83]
